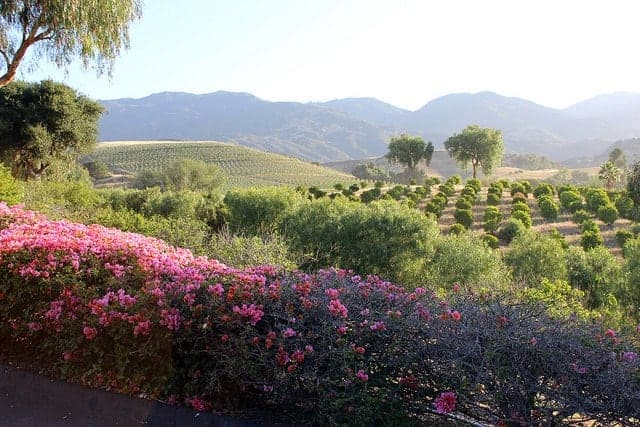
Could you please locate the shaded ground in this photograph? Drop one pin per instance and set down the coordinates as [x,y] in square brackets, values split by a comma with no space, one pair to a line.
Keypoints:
[30,400]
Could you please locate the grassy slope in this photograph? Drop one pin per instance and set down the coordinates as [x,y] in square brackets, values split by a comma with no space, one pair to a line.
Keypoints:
[244,167]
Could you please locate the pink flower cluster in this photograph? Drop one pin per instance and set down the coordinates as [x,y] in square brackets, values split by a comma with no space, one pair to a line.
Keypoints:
[446,402]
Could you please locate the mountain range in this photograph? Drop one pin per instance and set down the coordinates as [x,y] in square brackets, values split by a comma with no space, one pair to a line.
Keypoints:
[356,128]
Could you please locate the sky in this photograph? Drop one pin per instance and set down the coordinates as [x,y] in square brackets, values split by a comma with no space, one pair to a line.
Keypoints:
[407,53]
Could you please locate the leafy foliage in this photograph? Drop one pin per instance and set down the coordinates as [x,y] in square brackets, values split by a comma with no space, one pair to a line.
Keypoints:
[482,147]
[42,122]
[409,150]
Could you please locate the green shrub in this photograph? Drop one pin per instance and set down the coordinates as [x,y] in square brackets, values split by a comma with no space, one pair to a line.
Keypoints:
[520,206]
[256,211]
[465,260]
[570,200]
[456,229]
[607,214]
[434,208]
[534,256]
[493,199]
[622,236]
[510,229]
[475,183]
[597,273]
[580,216]
[470,192]
[589,225]
[492,219]
[11,191]
[369,196]
[555,234]
[384,238]
[523,217]
[463,203]
[396,192]
[543,190]
[491,241]
[527,187]
[549,209]
[624,204]
[464,217]
[519,197]
[591,239]
[447,189]
[595,198]
[97,169]
[517,187]
[455,180]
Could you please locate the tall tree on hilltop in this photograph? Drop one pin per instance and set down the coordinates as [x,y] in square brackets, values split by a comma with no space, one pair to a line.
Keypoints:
[42,122]
[62,30]
[482,147]
[410,150]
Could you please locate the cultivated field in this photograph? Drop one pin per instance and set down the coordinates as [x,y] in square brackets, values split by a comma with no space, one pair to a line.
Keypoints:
[245,167]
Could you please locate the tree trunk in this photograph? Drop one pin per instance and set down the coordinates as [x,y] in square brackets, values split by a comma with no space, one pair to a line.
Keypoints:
[475,169]
[12,67]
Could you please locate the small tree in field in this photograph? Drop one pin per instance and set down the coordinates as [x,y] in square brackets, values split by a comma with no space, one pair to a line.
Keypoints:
[410,150]
[633,183]
[43,122]
[610,174]
[62,30]
[482,147]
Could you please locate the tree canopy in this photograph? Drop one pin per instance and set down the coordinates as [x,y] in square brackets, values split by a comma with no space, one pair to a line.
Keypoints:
[618,158]
[633,183]
[610,174]
[42,122]
[61,30]
[482,147]
[409,150]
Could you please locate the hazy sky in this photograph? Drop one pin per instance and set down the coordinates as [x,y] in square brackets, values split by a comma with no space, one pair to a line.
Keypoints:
[403,52]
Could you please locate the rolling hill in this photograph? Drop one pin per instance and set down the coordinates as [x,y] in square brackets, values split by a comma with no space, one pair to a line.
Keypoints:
[245,167]
[356,128]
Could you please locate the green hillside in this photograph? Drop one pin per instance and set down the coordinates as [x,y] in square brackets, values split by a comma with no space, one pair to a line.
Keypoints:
[244,167]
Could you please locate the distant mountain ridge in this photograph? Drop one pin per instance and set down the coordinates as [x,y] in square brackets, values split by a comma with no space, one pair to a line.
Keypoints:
[355,128]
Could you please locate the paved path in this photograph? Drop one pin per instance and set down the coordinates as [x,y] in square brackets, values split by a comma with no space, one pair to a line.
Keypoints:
[29,400]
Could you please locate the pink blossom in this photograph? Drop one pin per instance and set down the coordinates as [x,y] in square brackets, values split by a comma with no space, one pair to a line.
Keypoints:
[267,388]
[289,332]
[630,356]
[216,289]
[610,333]
[89,332]
[362,376]
[456,287]
[533,341]
[446,402]
[253,312]
[332,293]
[199,404]
[378,326]
[455,315]
[308,348]
[142,328]
[336,308]
[170,319]
[342,330]
[34,326]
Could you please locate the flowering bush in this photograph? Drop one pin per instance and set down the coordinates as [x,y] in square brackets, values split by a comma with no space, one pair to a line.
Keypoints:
[119,310]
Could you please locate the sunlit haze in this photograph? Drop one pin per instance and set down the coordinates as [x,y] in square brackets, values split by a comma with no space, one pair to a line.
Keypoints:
[402,52]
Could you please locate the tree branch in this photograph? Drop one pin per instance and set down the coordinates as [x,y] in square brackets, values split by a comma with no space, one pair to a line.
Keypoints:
[6,58]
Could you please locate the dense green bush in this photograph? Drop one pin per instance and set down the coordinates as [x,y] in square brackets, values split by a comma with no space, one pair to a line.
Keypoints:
[570,200]
[589,225]
[454,180]
[369,196]
[591,239]
[511,229]
[543,190]
[517,187]
[534,256]
[469,192]
[463,203]
[597,273]
[549,209]
[383,238]
[595,198]
[622,236]
[607,214]
[491,241]
[493,199]
[97,169]
[555,234]
[11,190]
[465,260]
[523,217]
[624,204]
[447,189]
[520,206]
[457,229]
[580,216]
[396,192]
[492,219]
[256,211]
[519,198]
[464,217]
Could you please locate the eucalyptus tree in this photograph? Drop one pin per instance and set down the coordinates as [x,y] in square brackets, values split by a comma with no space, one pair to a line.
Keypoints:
[482,147]
[62,30]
